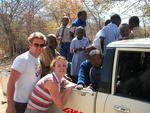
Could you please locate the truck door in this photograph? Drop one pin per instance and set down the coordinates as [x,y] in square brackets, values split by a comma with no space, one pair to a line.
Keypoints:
[119,104]
[80,101]
[130,82]
[105,83]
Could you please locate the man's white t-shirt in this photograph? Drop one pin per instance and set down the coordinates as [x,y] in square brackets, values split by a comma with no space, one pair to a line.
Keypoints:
[30,70]
[110,33]
[96,42]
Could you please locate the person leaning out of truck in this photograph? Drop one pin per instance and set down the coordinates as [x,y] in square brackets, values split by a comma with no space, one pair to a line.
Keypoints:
[95,71]
[88,67]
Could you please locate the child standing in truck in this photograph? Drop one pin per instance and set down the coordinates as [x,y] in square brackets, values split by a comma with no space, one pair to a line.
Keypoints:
[63,36]
[78,47]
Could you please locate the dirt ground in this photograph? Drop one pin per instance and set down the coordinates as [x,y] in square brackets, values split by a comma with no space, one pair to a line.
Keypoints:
[3,103]
[3,100]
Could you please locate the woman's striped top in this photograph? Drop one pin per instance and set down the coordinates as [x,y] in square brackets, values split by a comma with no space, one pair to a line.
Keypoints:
[40,98]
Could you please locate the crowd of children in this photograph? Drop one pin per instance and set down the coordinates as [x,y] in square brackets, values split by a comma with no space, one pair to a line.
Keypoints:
[78,48]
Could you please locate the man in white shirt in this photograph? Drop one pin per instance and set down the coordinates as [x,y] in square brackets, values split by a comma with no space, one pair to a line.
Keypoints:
[110,32]
[96,41]
[25,72]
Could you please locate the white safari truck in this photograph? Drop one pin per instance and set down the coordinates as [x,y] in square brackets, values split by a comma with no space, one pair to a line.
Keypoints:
[124,85]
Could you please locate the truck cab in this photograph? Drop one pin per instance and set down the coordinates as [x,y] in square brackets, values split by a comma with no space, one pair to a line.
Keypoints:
[124,85]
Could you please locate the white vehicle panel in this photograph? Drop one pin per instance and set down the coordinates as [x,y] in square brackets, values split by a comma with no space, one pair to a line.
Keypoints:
[100,102]
[80,101]
[118,104]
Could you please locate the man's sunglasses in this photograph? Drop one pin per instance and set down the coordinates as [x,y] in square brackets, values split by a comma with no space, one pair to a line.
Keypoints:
[38,45]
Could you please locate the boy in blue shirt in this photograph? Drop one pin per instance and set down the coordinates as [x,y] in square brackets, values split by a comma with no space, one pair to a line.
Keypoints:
[89,73]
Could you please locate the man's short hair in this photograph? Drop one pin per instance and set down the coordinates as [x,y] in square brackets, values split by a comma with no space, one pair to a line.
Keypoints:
[134,21]
[65,17]
[115,18]
[79,27]
[38,35]
[107,22]
[81,13]
[50,35]
[95,52]
[124,25]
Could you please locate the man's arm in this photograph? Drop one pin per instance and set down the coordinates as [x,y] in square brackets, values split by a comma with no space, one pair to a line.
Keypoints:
[71,35]
[72,32]
[14,76]
[81,76]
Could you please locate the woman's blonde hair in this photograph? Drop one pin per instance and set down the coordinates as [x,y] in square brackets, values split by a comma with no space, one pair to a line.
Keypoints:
[56,59]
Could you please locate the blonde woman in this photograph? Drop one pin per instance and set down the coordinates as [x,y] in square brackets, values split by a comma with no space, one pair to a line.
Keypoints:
[52,88]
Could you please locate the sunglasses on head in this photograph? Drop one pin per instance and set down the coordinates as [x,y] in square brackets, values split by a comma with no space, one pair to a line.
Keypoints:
[38,45]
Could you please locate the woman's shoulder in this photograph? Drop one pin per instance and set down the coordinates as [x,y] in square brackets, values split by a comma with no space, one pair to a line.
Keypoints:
[48,78]
[49,82]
